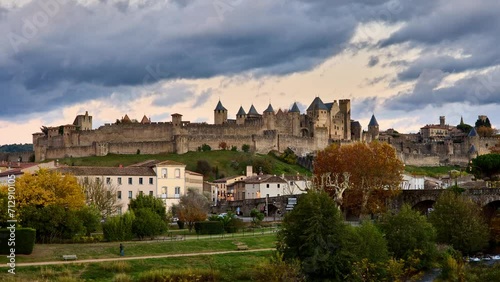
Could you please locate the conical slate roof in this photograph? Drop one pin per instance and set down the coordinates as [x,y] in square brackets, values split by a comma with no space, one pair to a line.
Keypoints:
[373,121]
[295,108]
[269,109]
[220,107]
[241,112]
[472,132]
[316,105]
[252,111]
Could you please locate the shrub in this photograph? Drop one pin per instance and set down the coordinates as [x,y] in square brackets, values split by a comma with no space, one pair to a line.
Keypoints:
[178,275]
[277,270]
[122,277]
[24,244]
[245,148]
[208,227]
[180,223]
[119,228]
[147,223]
[234,148]
[205,148]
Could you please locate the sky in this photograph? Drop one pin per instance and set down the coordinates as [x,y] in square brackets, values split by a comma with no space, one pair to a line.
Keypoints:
[407,62]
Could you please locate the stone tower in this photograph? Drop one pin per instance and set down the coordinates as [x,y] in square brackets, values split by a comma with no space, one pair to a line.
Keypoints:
[269,118]
[373,129]
[345,108]
[318,112]
[220,114]
[442,121]
[177,123]
[294,113]
[83,122]
[241,116]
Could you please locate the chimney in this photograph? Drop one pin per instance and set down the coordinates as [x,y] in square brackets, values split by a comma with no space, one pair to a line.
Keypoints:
[249,170]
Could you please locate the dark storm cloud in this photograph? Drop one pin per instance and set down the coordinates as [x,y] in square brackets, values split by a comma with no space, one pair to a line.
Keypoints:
[110,44]
[203,98]
[53,57]
[476,89]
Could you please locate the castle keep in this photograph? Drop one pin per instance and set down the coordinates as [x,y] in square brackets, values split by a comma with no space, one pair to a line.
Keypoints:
[322,124]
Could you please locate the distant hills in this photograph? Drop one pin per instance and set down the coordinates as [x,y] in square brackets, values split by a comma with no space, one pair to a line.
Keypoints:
[15,148]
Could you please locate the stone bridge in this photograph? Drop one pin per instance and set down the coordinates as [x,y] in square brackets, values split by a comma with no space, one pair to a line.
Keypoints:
[422,200]
[484,197]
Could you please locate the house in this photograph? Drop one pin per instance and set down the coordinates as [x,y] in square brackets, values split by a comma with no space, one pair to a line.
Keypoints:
[220,186]
[171,181]
[129,181]
[262,186]
[18,169]
[194,181]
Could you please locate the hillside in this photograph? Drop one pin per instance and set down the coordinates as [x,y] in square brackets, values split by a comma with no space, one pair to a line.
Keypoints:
[226,163]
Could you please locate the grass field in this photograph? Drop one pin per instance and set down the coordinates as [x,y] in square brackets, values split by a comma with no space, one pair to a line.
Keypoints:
[230,267]
[228,162]
[432,171]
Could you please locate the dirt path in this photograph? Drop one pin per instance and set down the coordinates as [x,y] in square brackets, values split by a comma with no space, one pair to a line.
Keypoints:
[135,258]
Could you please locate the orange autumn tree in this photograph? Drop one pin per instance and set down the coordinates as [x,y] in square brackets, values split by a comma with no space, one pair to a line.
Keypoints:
[374,173]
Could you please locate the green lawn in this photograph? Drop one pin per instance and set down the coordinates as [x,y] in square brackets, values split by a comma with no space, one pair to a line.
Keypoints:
[230,267]
[54,252]
[228,162]
[432,171]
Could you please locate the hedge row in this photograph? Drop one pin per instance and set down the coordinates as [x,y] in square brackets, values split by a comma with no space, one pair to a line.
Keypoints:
[208,227]
[23,238]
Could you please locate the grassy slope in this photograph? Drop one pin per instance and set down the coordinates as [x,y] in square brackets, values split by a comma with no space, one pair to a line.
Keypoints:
[225,160]
[434,171]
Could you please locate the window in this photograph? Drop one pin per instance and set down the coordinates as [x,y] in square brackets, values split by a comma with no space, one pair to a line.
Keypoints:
[140,180]
[151,180]
[177,192]
[130,180]
[150,193]
[278,185]
[119,210]
[164,190]
[130,194]
[267,185]
[119,194]
[119,181]
[177,173]
[164,173]
[108,180]
[291,183]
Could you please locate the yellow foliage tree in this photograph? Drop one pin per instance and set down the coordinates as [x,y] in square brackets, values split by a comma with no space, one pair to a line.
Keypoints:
[48,187]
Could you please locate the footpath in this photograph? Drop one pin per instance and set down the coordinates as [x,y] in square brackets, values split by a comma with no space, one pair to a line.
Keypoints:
[135,258]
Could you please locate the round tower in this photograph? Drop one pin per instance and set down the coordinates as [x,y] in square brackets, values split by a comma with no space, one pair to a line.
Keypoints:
[241,116]
[220,114]
[269,118]
[294,114]
[373,130]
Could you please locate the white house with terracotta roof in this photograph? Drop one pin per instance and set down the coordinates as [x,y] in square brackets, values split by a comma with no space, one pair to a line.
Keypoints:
[171,185]
[262,186]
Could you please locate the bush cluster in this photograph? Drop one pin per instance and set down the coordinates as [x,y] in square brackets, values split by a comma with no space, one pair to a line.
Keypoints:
[208,227]
[24,243]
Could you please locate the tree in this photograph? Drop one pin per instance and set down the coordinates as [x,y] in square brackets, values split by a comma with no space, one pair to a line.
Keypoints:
[102,196]
[484,131]
[223,145]
[193,207]
[119,228]
[374,174]
[90,218]
[203,167]
[257,216]
[46,188]
[314,233]
[147,223]
[480,122]
[465,128]
[245,148]
[409,236]
[289,156]
[150,202]
[486,165]
[459,223]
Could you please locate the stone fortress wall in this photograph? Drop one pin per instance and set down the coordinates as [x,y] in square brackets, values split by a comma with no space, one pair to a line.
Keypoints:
[270,130]
[321,125]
